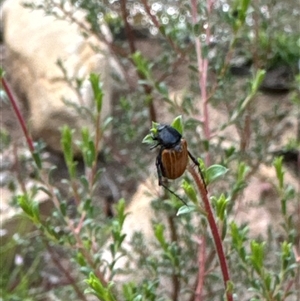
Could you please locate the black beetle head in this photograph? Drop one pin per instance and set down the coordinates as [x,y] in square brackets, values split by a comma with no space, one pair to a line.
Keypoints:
[167,136]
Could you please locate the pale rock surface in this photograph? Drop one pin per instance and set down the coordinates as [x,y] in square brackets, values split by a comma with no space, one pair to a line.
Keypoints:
[34,43]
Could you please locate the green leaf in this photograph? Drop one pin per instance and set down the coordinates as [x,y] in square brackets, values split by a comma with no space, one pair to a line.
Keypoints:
[97,90]
[230,286]
[257,256]
[36,211]
[186,209]
[221,205]
[229,151]
[279,171]
[67,146]
[214,172]
[80,259]
[66,142]
[25,205]
[177,124]
[239,236]
[159,234]
[193,68]
[37,159]
[87,147]
[63,208]
[242,172]
[197,28]
[142,65]
[30,207]
[162,89]
[2,73]
[106,123]
[189,191]
[98,289]
[120,211]
[155,125]
[148,139]
[286,255]
[162,30]
[259,77]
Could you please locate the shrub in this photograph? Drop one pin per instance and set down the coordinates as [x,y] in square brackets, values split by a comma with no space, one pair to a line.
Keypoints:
[206,257]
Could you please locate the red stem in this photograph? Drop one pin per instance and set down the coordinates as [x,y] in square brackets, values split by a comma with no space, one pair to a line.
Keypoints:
[18,113]
[214,229]
[202,64]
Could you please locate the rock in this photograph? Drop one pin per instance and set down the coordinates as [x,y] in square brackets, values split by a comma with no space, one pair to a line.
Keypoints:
[240,65]
[34,43]
[278,79]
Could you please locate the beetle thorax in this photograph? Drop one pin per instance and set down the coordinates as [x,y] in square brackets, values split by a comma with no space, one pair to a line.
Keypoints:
[168,137]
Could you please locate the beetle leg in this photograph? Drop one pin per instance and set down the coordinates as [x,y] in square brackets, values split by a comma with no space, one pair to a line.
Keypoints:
[167,188]
[158,168]
[160,177]
[200,171]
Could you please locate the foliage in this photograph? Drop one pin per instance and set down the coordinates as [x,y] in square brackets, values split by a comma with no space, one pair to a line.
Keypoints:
[185,260]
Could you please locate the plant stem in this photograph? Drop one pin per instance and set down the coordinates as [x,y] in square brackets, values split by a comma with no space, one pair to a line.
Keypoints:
[202,64]
[214,229]
[18,113]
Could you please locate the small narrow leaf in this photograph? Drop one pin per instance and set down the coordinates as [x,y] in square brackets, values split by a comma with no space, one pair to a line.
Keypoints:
[159,234]
[197,29]
[148,139]
[279,171]
[1,73]
[189,191]
[259,77]
[186,209]
[97,90]
[106,123]
[214,172]
[37,159]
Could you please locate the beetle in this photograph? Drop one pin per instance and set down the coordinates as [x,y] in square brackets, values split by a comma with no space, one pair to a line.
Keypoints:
[173,156]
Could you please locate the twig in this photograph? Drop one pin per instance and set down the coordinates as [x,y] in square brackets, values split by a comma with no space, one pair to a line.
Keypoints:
[19,115]
[202,64]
